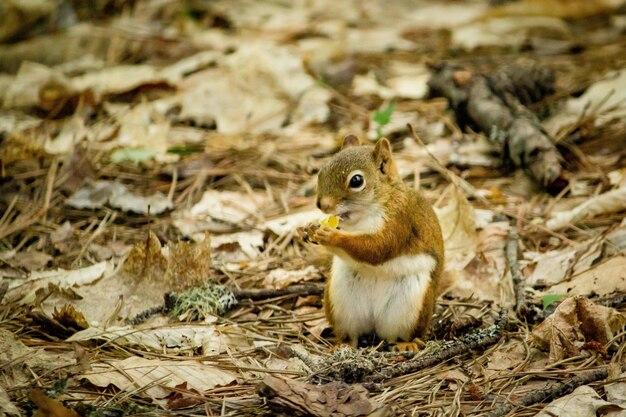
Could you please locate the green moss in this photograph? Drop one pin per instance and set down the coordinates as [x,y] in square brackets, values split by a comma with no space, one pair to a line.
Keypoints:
[201,302]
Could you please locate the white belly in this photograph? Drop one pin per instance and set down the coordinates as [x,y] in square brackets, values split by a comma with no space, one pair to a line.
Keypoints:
[385,299]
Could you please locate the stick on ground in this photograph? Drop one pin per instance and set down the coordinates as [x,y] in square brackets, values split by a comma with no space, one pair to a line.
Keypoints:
[479,339]
[554,391]
[495,104]
[511,252]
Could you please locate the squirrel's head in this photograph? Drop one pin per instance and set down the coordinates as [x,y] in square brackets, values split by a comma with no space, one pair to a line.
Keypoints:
[356,182]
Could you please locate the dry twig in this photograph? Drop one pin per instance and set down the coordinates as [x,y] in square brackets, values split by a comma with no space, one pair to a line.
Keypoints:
[554,391]
[479,339]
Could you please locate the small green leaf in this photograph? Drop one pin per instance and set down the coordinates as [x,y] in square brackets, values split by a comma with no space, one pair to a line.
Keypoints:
[550,299]
[383,116]
[135,155]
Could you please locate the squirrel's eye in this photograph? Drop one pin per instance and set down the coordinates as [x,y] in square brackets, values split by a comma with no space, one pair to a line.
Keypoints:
[356,182]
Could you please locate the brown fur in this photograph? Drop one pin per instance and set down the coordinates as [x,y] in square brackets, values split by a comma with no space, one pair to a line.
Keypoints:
[410,228]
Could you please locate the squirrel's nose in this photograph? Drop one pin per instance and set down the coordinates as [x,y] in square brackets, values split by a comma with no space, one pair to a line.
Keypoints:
[326,204]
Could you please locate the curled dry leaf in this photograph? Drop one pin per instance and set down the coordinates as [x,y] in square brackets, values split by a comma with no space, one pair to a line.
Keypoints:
[37,85]
[157,378]
[610,202]
[146,259]
[180,264]
[70,317]
[574,322]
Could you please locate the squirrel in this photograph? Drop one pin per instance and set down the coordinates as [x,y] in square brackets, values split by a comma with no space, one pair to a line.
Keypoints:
[388,249]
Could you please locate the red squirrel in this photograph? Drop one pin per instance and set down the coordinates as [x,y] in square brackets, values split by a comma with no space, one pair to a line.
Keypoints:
[388,249]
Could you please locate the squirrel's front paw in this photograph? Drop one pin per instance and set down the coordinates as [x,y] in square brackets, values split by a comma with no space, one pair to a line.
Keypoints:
[324,235]
[306,233]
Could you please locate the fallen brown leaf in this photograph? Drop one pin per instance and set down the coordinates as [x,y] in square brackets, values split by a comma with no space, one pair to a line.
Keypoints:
[576,321]
[301,399]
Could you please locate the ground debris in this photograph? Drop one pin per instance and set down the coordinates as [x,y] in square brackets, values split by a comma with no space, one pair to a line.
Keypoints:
[158,157]
[495,104]
[574,322]
[302,399]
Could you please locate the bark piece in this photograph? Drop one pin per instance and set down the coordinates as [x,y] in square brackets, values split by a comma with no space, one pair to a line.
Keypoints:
[495,104]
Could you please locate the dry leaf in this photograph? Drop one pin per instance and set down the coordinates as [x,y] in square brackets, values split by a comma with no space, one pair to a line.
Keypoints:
[69,317]
[219,211]
[49,407]
[141,127]
[507,31]
[333,399]
[189,263]
[582,402]
[37,85]
[405,81]
[146,259]
[282,278]
[555,266]
[187,338]
[179,265]
[238,247]
[607,203]
[157,378]
[616,391]
[459,231]
[99,193]
[605,100]
[60,277]
[251,90]
[6,406]
[603,279]
[506,358]
[118,79]
[486,276]
[574,322]
[289,223]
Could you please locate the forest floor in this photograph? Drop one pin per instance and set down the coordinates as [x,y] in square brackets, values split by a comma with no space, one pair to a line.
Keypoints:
[158,157]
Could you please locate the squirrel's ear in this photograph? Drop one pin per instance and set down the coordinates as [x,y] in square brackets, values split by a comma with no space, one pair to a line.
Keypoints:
[384,158]
[350,140]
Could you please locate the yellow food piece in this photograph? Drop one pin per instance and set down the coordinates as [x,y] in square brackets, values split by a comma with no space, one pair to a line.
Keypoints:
[330,221]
